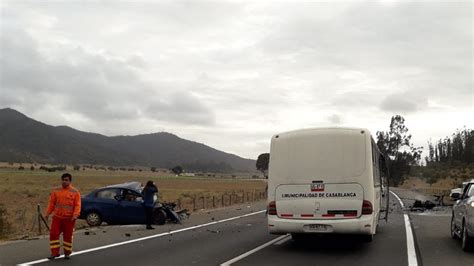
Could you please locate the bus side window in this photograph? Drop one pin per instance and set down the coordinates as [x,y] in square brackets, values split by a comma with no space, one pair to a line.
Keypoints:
[375,165]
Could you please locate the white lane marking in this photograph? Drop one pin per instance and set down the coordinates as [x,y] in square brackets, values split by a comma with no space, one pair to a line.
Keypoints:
[398,198]
[248,253]
[412,261]
[282,241]
[147,237]
[411,251]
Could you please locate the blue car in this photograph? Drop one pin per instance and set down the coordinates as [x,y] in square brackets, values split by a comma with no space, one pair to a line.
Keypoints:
[118,204]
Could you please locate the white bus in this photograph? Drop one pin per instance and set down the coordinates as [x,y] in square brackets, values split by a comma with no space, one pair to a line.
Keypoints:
[326,180]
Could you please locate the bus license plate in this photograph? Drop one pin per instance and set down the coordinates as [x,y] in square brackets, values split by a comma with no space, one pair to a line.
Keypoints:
[318,227]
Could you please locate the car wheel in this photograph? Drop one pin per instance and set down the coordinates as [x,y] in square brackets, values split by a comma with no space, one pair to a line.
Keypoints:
[159,217]
[93,219]
[467,240]
[453,229]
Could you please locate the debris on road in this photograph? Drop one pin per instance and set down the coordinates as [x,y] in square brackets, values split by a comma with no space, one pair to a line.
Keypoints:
[175,216]
[418,205]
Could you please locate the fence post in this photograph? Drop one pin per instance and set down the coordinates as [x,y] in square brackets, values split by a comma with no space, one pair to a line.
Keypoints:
[194,203]
[39,218]
[213,202]
[203,203]
[178,203]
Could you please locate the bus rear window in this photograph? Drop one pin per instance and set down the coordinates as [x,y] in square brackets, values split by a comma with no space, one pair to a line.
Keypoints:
[322,155]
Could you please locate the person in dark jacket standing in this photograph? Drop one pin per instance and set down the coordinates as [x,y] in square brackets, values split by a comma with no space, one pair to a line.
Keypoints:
[148,193]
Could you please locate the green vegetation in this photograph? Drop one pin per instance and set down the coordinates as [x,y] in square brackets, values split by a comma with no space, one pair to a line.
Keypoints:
[399,152]
[4,224]
[451,157]
[262,163]
[177,170]
[457,150]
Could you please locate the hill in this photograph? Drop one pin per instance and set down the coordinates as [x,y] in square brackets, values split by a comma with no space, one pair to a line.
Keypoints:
[23,139]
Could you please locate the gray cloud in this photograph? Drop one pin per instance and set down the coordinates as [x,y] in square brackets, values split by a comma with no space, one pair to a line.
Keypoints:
[93,85]
[424,47]
[225,70]
[335,119]
[403,103]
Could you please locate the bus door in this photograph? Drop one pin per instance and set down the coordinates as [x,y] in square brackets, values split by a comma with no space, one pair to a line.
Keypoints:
[384,187]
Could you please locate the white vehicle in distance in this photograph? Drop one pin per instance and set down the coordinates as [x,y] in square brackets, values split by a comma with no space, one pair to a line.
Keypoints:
[326,180]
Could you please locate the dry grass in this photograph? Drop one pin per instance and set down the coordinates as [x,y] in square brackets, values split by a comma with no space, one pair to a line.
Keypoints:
[22,190]
[415,182]
[442,186]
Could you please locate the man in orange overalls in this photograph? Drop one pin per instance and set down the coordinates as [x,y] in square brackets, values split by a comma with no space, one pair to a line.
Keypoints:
[65,204]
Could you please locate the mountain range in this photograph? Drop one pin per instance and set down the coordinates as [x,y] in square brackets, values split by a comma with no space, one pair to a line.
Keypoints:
[23,139]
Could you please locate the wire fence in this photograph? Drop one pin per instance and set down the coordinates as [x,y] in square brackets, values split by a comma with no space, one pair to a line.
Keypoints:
[211,201]
[433,191]
[28,223]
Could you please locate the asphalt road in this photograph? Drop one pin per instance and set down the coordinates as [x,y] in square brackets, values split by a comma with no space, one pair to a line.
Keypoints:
[432,234]
[219,242]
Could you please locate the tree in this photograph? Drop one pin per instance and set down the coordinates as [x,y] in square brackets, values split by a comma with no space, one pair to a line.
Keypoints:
[177,170]
[262,163]
[153,169]
[458,149]
[431,180]
[399,152]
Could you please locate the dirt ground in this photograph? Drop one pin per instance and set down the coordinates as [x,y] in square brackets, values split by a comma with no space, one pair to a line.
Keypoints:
[22,190]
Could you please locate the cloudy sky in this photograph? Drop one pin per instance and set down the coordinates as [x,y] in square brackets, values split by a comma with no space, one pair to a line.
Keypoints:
[231,74]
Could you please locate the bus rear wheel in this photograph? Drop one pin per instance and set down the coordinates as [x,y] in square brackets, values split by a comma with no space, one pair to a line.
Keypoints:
[367,238]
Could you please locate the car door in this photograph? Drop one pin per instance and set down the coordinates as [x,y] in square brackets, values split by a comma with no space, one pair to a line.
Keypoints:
[107,205]
[469,210]
[461,206]
[131,208]
[456,213]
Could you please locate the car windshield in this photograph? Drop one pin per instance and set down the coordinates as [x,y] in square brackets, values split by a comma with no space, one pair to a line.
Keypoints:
[470,191]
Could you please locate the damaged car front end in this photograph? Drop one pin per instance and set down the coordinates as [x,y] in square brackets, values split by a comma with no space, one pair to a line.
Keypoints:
[123,204]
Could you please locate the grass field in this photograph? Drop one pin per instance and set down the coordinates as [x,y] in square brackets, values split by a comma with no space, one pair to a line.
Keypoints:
[22,190]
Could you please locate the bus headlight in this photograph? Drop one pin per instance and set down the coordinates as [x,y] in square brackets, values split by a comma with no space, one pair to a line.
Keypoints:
[472,204]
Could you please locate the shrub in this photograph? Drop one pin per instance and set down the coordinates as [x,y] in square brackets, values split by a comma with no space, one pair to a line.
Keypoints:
[4,225]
